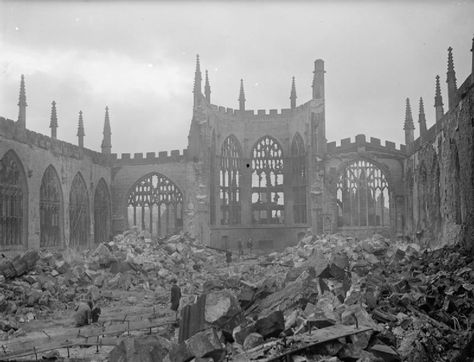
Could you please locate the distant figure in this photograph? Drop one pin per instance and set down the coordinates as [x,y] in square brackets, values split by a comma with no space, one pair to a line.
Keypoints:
[83,314]
[228,257]
[241,248]
[250,245]
[175,297]
[95,313]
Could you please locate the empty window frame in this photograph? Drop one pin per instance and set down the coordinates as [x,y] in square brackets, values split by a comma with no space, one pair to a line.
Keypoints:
[363,195]
[267,182]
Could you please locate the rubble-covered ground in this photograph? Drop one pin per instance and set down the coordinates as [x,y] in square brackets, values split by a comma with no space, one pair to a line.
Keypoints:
[328,298]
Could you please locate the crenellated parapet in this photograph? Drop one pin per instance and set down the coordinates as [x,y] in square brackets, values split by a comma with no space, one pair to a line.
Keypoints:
[360,144]
[149,158]
[260,114]
[10,130]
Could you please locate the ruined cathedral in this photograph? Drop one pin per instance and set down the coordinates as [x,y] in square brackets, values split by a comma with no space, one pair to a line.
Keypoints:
[265,175]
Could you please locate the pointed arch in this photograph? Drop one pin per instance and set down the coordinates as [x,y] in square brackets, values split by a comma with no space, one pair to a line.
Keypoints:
[297,145]
[435,213]
[212,181]
[362,192]
[422,195]
[229,181]
[13,201]
[268,203]
[51,209]
[79,214]
[101,212]
[409,184]
[299,179]
[155,204]
[456,191]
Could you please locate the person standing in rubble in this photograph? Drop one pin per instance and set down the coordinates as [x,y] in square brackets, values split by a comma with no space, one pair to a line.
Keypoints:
[250,245]
[175,297]
[228,257]
[241,248]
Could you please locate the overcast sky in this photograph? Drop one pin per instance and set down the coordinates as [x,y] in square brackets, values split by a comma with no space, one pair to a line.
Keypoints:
[139,58]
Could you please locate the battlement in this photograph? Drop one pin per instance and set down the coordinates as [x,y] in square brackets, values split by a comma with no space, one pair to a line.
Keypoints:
[360,142]
[150,157]
[260,114]
[9,129]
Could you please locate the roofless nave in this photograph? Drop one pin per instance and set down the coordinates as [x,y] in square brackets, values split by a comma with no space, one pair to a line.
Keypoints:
[263,175]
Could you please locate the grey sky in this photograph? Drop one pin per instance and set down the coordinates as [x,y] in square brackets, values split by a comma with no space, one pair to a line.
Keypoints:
[138,58]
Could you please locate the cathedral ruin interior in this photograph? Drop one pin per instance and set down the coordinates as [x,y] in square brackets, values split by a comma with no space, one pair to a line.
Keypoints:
[342,238]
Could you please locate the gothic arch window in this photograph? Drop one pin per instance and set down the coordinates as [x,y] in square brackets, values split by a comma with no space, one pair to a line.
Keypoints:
[101,212]
[212,181]
[363,195]
[422,195]
[50,209]
[229,181]
[79,215]
[155,204]
[298,174]
[435,193]
[267,182]
[13,201]
[456,186]
[409,184]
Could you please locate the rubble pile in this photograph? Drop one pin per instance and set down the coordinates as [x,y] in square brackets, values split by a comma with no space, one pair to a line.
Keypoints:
[35,285]
[330,298]
[418,305]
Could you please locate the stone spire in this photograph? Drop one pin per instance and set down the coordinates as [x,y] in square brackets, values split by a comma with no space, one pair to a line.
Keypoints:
[242,96]
[451,80]
[53,124]
[207,88]
[80,131]
[438,101]
[293,94]
[22,104]
[107,140]
[408,127]
[422,119]
[318,79]
[197,83]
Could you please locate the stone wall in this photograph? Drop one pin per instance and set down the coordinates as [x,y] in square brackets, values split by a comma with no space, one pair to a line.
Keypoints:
[439,177]
[179,170]
[36,152]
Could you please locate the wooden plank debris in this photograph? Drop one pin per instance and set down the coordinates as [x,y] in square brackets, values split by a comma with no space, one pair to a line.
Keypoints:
[304,341]
[75,337]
